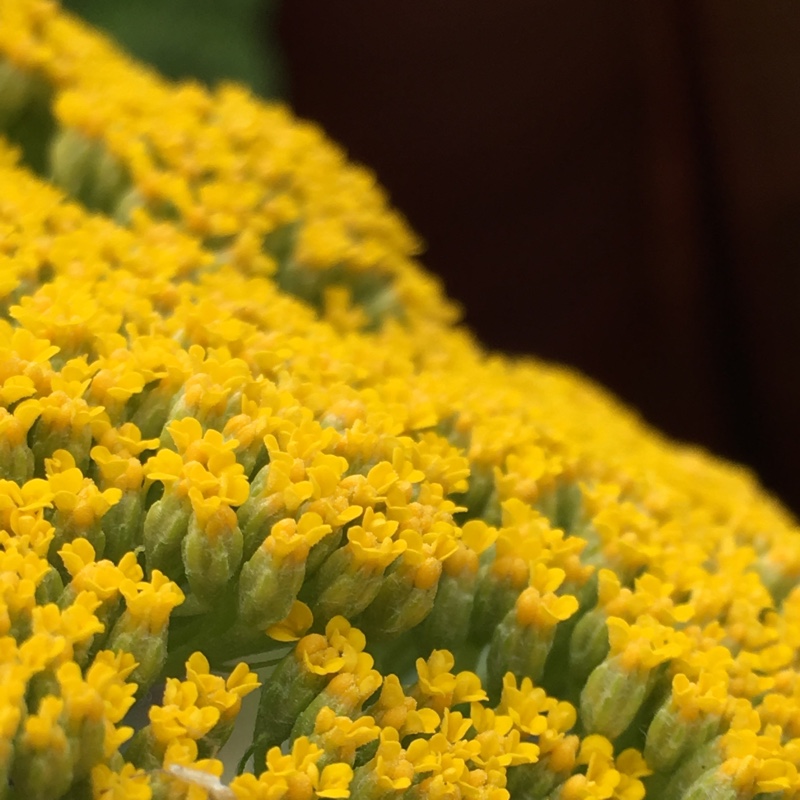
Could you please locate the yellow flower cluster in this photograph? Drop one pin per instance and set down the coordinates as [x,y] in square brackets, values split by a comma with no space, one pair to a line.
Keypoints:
[239,432]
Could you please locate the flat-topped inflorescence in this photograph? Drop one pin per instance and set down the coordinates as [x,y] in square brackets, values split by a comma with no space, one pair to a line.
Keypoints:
[243,447]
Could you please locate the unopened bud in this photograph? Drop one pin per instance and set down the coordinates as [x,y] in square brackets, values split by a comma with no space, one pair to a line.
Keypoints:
[588,645]
[612,697]
[212,553]
[165,526]
[87,170]
[402,602]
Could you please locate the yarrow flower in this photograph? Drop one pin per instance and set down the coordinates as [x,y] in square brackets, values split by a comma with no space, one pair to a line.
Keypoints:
[246,458]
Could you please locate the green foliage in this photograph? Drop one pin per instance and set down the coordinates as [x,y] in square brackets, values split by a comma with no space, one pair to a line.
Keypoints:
[202,39]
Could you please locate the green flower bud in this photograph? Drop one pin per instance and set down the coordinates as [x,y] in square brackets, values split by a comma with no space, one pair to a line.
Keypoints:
[43,759]
[149,650]
[322,550]
[50,588]
[144,751]
[522,641]
[448,622]
[366,784]
[45,441]
[212,553]
[88,743]
[87,170]
[257,486]
[122,525]
[271,579]
[257,514]
[671,737]
[267,589]
[16,462]
[344,694]
[404,599]
[533,781]
[165,526]
[481,487]
[68,531]
[71,161]
[493,600]
[588,645]
[339,588]
[287,693]
[40,686]
[612,697]
[569,501]
[702,763]
[41,775]
[152,411]
[710,786]
[776,578]
[210,745]
[521,649]
[256,519]
[180,408]
[16,90]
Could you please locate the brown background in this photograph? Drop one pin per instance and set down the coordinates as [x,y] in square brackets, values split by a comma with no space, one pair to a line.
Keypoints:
[615,185]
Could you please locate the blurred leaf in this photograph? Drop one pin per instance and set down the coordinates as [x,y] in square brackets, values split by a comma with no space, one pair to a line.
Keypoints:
[203,39]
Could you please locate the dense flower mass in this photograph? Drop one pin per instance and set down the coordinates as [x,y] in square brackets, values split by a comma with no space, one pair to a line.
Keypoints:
[244,448]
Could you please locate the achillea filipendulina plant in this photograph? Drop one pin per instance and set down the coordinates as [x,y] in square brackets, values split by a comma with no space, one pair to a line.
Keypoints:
[238,427]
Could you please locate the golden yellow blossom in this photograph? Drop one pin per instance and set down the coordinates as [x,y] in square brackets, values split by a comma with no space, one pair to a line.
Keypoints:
[240,433]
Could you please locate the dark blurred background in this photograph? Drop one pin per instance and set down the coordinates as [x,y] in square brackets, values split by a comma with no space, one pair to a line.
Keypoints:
[611,185]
